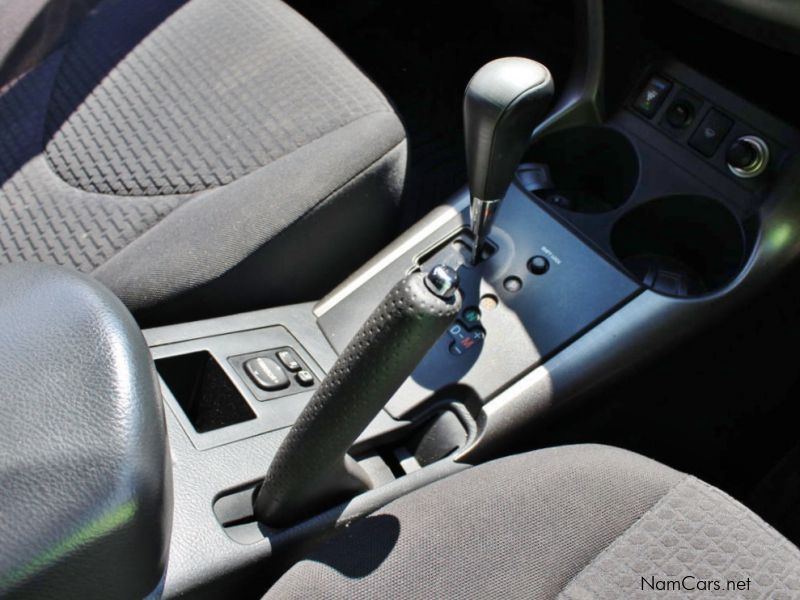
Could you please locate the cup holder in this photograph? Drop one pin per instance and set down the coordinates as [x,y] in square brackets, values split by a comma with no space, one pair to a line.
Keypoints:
[680,245]
[592,169]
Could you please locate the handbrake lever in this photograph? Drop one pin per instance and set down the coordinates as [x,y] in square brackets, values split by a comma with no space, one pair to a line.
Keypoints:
[312,470]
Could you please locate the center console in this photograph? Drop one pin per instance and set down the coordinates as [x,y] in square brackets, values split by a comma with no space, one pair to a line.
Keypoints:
[618,236]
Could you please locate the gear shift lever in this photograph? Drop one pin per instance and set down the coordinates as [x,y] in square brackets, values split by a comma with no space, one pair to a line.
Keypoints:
[503,103]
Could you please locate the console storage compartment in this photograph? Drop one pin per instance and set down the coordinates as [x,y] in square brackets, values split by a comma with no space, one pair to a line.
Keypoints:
[203,390]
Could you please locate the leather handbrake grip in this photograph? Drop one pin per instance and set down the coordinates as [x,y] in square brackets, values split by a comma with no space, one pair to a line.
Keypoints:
[311,470]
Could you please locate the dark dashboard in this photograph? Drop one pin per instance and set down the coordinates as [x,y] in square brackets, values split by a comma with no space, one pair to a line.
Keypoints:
[774,22]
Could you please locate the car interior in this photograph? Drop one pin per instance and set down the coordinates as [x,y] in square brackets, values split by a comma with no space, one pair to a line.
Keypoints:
[373,299]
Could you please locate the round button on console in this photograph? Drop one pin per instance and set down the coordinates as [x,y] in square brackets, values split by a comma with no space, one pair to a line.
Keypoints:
[680,114]
[538,265]
[489,302]
[512,284]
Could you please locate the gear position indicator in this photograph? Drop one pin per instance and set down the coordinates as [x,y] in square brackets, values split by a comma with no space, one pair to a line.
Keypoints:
[465,339]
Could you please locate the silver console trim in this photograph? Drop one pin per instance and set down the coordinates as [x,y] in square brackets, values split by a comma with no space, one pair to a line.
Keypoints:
[402,245]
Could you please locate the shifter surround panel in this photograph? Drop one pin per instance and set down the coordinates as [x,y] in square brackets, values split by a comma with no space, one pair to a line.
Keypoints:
[533,316]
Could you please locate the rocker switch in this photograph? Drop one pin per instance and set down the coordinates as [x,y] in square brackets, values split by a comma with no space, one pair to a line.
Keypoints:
[266,373]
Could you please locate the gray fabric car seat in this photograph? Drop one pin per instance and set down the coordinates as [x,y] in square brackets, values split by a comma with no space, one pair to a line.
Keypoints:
[574,523]
[170,146]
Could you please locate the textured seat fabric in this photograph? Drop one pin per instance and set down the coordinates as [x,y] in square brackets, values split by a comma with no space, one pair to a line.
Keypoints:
[168,141]
[574,523]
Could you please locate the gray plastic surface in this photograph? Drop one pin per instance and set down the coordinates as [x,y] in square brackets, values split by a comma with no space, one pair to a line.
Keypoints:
[773,22]
[203,559]
[270,415]
[202,556]
[580,101]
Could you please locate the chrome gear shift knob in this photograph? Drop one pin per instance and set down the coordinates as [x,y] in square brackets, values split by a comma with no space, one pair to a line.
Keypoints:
[504,101]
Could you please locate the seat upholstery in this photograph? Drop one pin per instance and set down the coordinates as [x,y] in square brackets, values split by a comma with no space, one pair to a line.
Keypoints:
[574,523]
[167,141]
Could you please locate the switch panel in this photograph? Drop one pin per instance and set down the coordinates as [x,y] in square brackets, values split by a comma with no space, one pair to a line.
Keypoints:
[704,123]
[266,373]
[272,374]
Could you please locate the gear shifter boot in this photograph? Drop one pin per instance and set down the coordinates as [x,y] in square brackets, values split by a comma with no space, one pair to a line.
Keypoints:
[311,469]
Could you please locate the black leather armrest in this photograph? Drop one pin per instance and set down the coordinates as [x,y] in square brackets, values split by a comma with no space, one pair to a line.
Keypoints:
[85,497]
